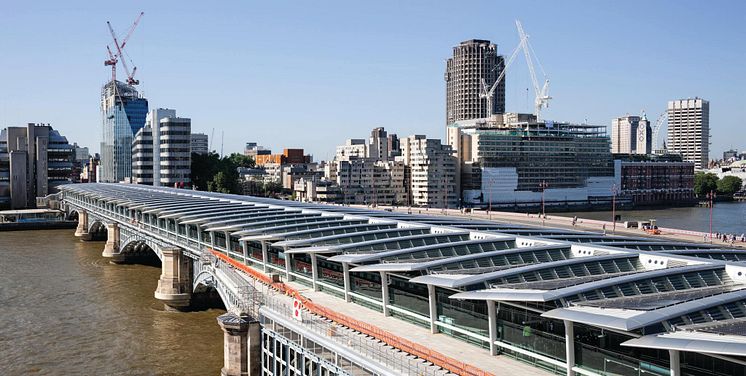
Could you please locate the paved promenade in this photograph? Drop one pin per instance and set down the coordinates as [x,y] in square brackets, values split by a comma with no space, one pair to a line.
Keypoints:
[582,224]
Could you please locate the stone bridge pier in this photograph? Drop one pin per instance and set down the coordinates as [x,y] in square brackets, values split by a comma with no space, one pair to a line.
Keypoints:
[82,230]
[111,249]
[241,345]
[175,285]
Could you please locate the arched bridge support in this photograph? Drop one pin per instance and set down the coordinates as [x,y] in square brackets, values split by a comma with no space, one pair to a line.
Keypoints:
[111,249]
[82,230]
[175,285]
[241,345]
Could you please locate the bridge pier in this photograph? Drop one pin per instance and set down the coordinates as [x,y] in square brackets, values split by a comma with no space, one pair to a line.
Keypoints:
[175,285]
[82,230]
[111,249]
[241,345]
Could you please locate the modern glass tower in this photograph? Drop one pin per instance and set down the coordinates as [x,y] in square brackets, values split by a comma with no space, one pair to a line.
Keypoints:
[124,111]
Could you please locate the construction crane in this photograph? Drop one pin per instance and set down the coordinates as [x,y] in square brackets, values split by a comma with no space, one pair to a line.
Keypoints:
[114,58]
[489,92]
[541,99]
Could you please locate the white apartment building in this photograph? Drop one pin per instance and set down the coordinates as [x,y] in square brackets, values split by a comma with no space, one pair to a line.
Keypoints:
[689,130]
[430,172]
[161,151]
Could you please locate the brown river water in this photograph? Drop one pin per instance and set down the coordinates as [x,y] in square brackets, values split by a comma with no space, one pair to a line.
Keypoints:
[65,310]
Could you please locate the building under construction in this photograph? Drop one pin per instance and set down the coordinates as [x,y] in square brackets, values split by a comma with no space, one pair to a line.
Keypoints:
[513,158]
[124,111]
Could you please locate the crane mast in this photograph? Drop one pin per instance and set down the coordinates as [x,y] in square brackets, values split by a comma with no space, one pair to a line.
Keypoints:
[541,99]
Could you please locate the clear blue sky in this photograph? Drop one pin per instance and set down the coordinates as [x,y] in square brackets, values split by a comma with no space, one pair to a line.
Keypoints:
[314,73]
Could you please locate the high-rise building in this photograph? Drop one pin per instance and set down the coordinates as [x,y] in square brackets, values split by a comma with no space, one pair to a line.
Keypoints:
[473,61]
[378,144]
[161,151]
[124,111]
[394,145]
[430,172]
[34,161]
[689,130]
[200,143]
[631,135]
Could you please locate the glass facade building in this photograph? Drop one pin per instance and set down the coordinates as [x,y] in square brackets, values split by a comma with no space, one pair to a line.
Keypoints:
[124,111]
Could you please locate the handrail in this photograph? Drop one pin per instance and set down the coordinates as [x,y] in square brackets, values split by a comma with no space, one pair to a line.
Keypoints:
[389,338]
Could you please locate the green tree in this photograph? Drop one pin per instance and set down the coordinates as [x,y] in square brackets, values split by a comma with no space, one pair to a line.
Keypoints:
[215,174]
[729,185]
[241,160]
[704,183]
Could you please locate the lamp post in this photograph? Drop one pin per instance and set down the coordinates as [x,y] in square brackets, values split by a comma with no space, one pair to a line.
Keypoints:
[613,208]
[711,197]
[543,186]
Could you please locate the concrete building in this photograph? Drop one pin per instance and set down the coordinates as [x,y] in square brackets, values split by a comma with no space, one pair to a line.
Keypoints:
[689,130]
[252,150]
[631,135]
[378,144]
[354,148]
[368,181]
[162,150]
[473,61]
[312,190]
[730,155]
[430,172]
[393,145]
[514,160]
[34,161]
[288,156]
[200,143]
[124,111]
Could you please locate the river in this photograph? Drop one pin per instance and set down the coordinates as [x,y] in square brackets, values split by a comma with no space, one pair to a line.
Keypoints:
[727,217]
[65,310]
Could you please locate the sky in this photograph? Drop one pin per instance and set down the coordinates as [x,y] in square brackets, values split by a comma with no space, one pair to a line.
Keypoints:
[311,74]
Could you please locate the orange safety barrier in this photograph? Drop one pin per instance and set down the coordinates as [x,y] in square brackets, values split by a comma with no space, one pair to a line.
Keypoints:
[389,338]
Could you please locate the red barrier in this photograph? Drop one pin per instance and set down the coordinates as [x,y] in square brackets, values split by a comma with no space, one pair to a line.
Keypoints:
[389,338]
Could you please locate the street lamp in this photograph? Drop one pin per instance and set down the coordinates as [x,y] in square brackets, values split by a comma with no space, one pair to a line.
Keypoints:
[613,208]
[543,186]
[711,197]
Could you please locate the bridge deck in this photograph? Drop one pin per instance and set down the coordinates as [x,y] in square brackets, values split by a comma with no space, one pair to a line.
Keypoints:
[449,346]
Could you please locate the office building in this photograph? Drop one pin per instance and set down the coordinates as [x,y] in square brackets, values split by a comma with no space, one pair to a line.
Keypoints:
[34,161]
[430,172]
[252,149]
[730,155]
[631,135]
[689,130]
[378,144]
[162,150]
[124,111]
[200,143]
[518,161]
[288,156]
[393,145]
[473,61]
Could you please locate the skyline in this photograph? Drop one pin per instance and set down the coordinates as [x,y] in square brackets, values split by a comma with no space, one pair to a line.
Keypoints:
[360,66]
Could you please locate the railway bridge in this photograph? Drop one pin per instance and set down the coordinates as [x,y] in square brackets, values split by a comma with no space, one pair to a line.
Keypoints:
[323,289]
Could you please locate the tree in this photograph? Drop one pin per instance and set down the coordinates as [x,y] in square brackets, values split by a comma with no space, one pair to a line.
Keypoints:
[729,185]
[704,183]
[241,160]
[215,174]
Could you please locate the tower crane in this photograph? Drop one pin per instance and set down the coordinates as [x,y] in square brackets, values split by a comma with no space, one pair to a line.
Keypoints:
[489,92]
[114,58]
[541,99]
